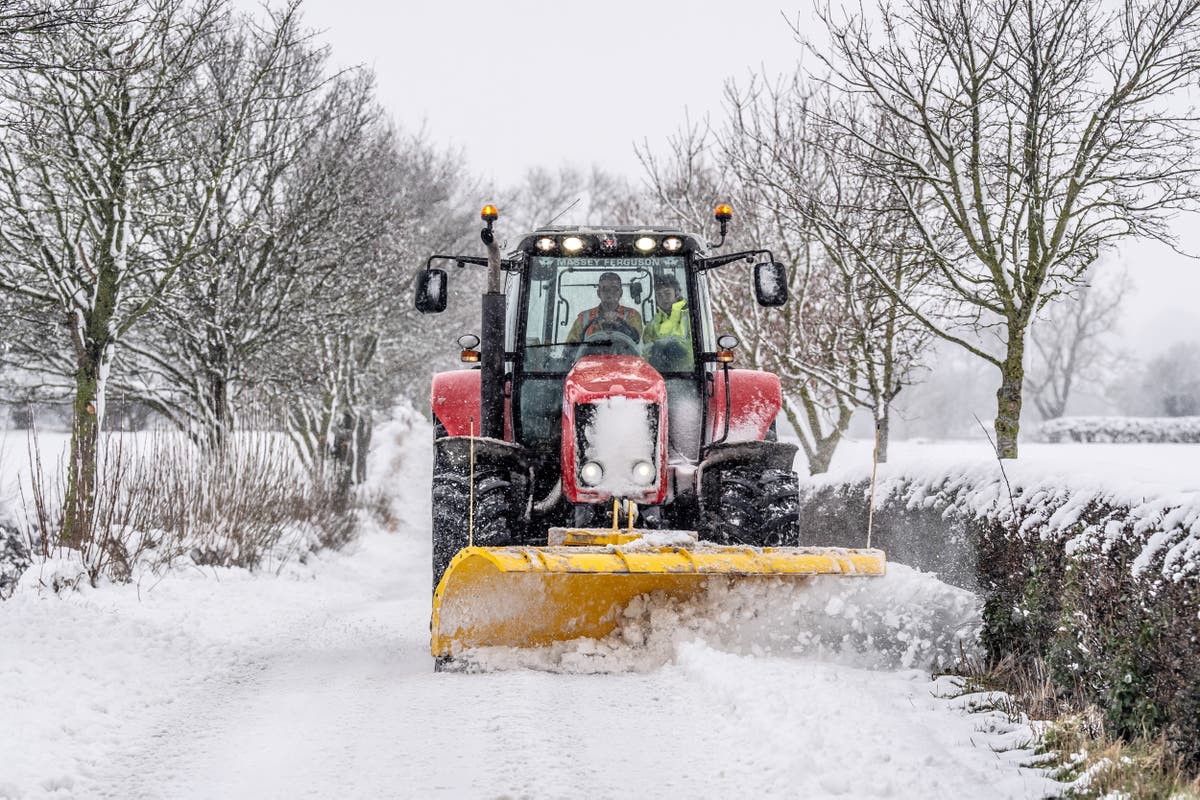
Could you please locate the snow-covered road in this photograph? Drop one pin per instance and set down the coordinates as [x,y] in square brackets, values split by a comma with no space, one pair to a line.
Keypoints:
[317,682]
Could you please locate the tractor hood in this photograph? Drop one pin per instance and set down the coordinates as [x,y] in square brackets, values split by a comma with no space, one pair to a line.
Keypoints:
[604,375]
[614,418]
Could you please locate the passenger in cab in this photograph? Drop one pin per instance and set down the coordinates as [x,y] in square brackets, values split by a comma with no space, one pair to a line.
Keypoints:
[609,316]
[669,334]
[670,315]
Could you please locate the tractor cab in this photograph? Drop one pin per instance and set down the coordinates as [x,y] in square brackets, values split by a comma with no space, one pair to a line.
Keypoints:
[580,292]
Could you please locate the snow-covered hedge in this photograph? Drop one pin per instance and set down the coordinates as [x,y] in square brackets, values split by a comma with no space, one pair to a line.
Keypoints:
[1121,430]
[14,558]
[1102,585]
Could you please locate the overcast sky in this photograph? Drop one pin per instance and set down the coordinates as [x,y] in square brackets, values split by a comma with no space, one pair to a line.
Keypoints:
[520,83]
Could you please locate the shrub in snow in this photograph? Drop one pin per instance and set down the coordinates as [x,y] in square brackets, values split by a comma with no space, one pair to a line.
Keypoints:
[162,498]
[1121,430]
[1105,588]
[14,558]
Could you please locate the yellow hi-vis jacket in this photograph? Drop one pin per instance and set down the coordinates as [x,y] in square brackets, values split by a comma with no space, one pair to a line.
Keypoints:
[678,324]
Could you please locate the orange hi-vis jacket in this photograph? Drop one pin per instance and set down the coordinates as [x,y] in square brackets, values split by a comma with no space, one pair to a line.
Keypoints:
[587,319]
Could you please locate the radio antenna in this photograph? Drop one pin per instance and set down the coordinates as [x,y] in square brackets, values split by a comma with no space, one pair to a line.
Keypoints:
[565,210]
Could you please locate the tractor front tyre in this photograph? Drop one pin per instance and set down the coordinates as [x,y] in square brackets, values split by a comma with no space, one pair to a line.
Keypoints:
[749,494]
[493,521]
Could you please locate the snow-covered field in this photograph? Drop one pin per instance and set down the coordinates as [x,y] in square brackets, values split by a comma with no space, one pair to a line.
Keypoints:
[1132,471]
[317,682]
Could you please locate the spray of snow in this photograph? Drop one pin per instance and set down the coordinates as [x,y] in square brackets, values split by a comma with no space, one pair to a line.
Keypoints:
[907,619]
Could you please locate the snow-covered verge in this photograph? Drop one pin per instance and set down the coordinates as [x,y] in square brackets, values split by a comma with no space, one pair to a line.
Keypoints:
[316,681]
[1090,566]
[1121,430]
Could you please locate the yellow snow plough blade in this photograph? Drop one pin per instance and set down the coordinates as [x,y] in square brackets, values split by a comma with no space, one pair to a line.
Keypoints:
[529,596]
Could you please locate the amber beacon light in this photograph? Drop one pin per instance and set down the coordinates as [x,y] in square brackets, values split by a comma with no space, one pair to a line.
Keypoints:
[489,213]
[723,214]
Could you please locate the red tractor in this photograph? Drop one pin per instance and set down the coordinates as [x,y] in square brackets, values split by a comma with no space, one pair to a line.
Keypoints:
[601,417]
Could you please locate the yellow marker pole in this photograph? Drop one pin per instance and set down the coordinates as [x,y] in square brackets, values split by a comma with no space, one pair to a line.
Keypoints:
[616,511]
[874,470]
[471,496]
[630,508]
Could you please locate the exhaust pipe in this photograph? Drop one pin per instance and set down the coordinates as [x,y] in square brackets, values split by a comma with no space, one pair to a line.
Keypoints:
[491,381]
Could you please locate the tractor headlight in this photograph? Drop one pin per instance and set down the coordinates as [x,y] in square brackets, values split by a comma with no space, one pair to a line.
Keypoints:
[545,244]
[645,243]
[572,244]
[644,473]
[591,473]
[672,243]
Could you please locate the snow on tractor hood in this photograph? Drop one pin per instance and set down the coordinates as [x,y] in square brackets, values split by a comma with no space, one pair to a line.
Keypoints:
[615,416]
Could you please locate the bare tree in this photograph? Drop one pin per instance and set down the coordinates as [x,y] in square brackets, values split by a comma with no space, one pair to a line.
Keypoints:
[800,179]
[83,184]
[356,341]
[1046,132]
[806,343]
[1170,383]
[1072,343]
[233,299]
[29,28]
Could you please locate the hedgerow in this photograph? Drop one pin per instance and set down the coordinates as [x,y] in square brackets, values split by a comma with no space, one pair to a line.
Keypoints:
[1121,430]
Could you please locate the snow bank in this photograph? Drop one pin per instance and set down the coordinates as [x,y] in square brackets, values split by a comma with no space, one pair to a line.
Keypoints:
[1154,489]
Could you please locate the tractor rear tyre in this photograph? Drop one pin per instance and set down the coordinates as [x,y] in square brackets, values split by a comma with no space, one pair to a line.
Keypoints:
[759,510]
[778,509]
[732,521]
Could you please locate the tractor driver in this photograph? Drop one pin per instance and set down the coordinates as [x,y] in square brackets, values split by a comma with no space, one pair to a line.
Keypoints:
[610,315]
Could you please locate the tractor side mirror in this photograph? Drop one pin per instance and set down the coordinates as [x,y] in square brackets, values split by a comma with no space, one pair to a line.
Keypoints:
[770,284]
[431,291]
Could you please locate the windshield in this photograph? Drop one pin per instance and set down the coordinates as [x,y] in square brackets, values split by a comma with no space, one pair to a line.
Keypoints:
[637,306]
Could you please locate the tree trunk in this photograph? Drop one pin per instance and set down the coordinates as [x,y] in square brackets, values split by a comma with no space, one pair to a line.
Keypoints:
[362,443]
[1008,396]
[822,455]
[218,412]
[80,500]
[342,456]
[883,424]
